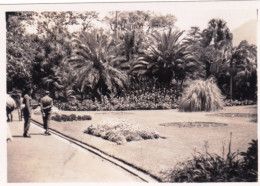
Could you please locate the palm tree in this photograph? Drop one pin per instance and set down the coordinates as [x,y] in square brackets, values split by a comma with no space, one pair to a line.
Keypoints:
[62,83]
[243,69]
[90,60]
[216,46]
[193,39]
[165,58]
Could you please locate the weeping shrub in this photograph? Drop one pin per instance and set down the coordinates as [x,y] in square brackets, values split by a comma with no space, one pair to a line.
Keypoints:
[201,95]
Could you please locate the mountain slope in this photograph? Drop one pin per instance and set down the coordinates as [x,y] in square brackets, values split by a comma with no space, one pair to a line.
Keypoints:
[247,31]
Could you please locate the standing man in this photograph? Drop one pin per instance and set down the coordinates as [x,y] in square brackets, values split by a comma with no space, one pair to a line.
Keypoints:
[27,111]
[46,105]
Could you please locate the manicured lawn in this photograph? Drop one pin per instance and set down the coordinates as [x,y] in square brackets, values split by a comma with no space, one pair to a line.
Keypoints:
[178,144]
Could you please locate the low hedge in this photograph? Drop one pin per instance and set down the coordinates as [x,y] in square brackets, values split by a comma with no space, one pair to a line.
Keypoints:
[71,117]
[239,103]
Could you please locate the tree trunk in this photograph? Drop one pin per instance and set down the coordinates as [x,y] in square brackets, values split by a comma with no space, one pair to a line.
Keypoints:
[116,32]
[231,80]
[231,88]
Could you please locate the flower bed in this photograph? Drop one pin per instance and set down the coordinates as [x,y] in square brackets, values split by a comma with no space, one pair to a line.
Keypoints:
[121,131]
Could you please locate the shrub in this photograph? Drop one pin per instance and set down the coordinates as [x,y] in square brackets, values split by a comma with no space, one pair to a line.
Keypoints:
[250,163]
[86,117]
[214,168]
[201,96]
[79,117]
[64,117]
[73,117]
[56,117]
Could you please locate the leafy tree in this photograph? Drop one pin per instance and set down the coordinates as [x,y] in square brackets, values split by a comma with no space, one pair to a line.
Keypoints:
[53,44]
[164,22]
[128,29]
[131,29]
[19,50]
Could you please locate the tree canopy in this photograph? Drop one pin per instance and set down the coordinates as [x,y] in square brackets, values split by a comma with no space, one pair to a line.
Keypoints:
[83,55]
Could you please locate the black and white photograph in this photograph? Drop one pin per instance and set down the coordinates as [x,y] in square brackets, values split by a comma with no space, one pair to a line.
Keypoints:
[130,92]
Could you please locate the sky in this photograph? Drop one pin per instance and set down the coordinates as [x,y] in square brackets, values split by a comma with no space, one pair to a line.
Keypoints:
[197,17]
[186,18]
[234,18]
[188,14]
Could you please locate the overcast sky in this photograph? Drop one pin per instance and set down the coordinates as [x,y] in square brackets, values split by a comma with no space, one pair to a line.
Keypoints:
[187,17]
[234,18]
[235,13]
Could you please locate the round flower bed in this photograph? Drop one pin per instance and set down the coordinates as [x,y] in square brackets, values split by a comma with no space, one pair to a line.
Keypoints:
[193,124]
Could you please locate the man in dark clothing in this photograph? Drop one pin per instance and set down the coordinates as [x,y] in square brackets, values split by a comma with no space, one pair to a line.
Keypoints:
[27,112]
[46,106]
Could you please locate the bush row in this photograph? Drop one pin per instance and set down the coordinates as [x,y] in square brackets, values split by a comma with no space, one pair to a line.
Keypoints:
[144,98]
[134,100]
[133,103]
[71,117]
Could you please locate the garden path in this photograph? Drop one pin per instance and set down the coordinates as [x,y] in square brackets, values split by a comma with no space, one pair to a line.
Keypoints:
[50,159]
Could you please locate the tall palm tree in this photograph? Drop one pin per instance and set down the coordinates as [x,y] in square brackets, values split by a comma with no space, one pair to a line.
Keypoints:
[165,58]
[193,39]
[90,60]
[244,66]
[216,46]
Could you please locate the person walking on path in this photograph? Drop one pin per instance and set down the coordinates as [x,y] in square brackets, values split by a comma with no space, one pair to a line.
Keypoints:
[10,106]
[46,106]
[27,111]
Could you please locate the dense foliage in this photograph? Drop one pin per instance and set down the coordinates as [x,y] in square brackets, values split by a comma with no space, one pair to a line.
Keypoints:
[215,168]
[94,67]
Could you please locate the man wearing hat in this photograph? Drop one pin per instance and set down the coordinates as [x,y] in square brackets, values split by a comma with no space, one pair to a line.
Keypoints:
[46,105]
